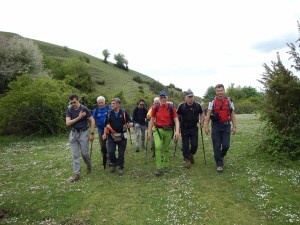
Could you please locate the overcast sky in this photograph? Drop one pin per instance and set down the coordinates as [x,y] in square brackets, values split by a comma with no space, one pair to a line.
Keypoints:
[192,44]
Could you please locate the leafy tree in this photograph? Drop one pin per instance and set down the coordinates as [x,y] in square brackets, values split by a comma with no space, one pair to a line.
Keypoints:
[35,105]
[209,94]
[293,51]
[120,59]
[18,56]
[235,93]
[282,109]
[106,55]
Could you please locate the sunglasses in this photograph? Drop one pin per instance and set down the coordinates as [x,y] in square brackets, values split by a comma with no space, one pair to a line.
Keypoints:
[191,96]
[162,97]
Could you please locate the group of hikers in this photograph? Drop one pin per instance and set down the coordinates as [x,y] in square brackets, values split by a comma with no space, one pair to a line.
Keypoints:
[162,122]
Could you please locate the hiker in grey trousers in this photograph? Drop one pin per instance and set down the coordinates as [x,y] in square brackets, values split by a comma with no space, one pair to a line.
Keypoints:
[77,117]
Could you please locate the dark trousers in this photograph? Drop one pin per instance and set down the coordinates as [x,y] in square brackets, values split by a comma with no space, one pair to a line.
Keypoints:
[117,161]
[189,135]
[221,141]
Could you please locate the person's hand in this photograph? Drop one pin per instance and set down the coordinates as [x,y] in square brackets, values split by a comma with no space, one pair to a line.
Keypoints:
[233,129]
[207,131]
[91,137]
[149,135]
[82,114]
[104,136]
[177,135]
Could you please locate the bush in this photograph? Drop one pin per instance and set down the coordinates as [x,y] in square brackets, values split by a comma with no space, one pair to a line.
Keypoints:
[35,106]
[17,57]
[137,79]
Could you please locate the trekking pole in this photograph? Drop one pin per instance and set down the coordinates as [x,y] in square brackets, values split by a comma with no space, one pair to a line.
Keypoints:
[129,135]
[203,145]
[91,150]
[146,146]
[176,141]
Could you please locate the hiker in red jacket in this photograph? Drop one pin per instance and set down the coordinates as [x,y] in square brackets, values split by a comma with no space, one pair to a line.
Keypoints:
[165,117]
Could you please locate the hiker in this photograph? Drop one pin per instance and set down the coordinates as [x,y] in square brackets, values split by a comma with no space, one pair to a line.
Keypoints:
[165,116]
[77,117]
[221,112]
[155,101]
[99,114]
[139,117]
[116,124]
[189,113]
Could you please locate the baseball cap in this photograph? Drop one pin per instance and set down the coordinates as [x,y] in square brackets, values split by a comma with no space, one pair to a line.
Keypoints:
[189,93]
[163,93]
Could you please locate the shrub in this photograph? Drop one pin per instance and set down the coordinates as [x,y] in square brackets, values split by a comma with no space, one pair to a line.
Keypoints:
[137,79]
[35,106]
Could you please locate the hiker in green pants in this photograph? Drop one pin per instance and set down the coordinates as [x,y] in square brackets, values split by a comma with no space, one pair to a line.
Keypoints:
[165,116]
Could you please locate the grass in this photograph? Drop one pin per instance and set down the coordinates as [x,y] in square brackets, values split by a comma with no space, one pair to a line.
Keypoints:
[254,189]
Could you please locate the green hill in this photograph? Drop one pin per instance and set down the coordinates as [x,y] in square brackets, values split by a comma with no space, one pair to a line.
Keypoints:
[109,80]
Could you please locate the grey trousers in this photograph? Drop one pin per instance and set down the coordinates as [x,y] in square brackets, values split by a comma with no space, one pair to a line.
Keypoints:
[79,141]
[139,135]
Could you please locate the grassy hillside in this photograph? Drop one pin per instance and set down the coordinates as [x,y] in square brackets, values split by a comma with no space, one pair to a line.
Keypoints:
[109,80]
[115,79]
[252,190]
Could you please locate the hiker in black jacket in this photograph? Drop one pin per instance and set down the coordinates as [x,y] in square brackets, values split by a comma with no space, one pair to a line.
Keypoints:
[139,119]
[189,113]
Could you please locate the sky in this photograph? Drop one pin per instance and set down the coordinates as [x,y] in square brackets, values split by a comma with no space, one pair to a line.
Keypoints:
[192,44]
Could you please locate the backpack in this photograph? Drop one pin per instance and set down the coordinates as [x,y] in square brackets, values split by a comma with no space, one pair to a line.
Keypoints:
[97,110]
[170,107]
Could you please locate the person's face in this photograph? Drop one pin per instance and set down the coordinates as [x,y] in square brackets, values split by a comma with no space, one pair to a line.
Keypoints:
[163,99]
[220,92]
[190,99]
[115,105]
[141,104]
[101,103]
[75,103]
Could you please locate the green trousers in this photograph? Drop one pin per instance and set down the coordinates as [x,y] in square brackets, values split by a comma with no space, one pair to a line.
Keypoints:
[162,139]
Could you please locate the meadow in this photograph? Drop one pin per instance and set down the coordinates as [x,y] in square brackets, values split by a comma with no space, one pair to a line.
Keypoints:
[253,189]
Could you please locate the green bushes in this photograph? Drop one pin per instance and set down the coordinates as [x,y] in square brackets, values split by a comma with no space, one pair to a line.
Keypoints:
[35,106]
[281,110]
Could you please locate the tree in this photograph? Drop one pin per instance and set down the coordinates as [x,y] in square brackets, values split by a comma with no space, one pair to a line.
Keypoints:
[209,94]
[106,55]
[120,58]
[281,109]
[293,51]
[17,57]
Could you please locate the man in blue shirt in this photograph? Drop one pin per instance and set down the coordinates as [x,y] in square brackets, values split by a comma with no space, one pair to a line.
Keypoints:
[99,114]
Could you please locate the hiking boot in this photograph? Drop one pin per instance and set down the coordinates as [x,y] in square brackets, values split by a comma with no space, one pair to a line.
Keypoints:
[166,170]
[158,172]
[137,150]
[187,163]
[220,169]
[89,168]
[120,172]
[74,178]
[112,169]
[192,160]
